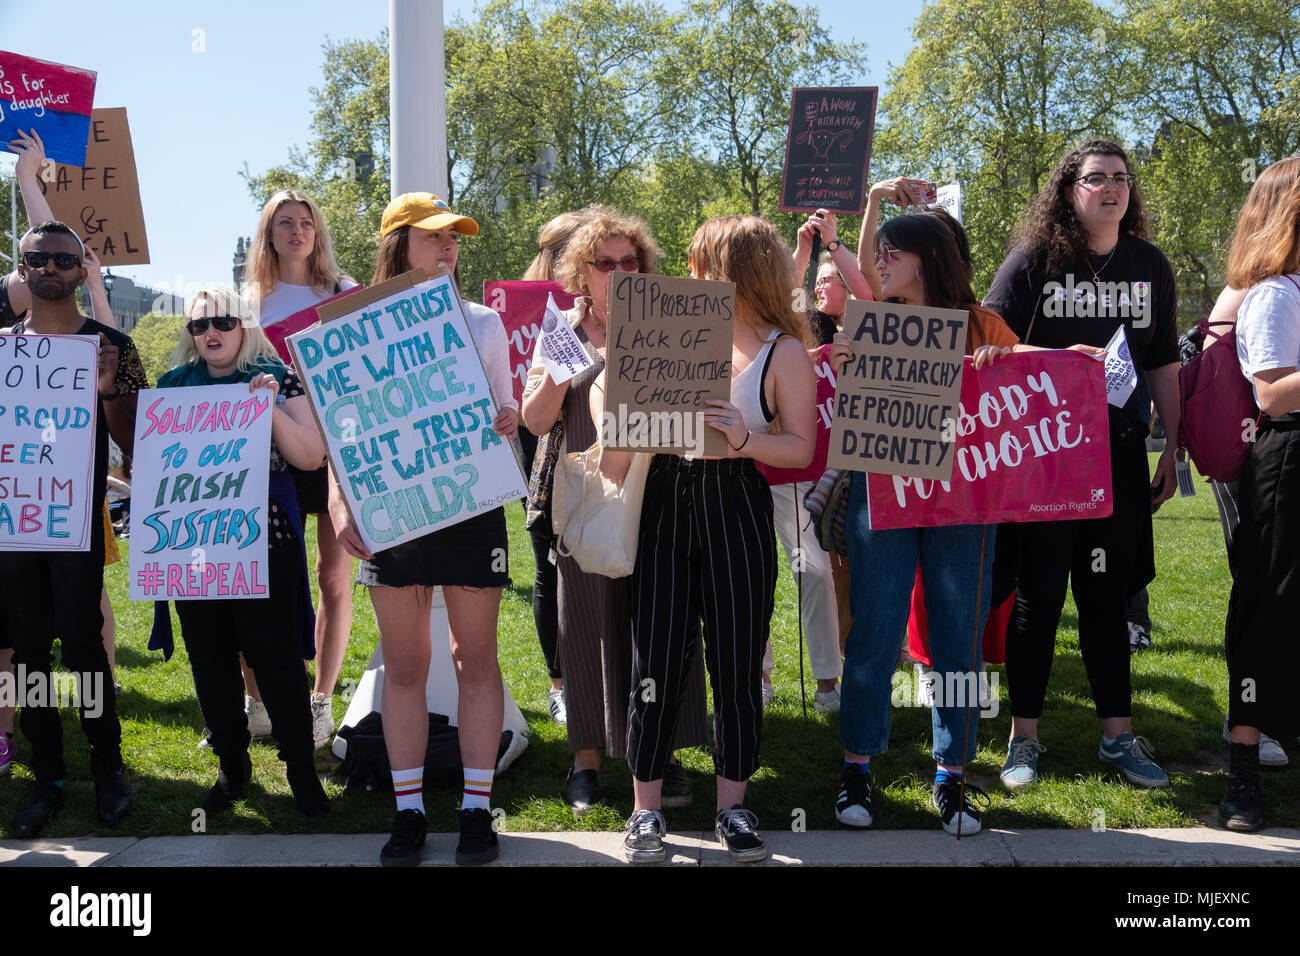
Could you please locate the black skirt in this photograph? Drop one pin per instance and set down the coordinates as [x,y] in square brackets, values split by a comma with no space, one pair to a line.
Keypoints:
[313,490]
[1262,642]
[471,554]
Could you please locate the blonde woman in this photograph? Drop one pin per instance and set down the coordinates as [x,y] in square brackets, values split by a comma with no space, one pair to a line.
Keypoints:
[707,547]
[291,267]
[222,344]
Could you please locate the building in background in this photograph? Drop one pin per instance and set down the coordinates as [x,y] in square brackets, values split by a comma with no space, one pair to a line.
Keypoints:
[131,302]
[242,247]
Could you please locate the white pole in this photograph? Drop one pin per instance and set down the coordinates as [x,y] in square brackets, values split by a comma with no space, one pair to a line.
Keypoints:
[417,97]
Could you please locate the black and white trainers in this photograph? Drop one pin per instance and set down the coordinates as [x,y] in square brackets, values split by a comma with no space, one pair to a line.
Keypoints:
[644,842]
[960,817]
[853,806]
[736,831]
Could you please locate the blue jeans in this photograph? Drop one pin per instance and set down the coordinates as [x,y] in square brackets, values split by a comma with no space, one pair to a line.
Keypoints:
[882,570]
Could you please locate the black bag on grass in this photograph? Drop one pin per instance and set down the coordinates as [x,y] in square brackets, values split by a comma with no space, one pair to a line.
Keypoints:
[366,766]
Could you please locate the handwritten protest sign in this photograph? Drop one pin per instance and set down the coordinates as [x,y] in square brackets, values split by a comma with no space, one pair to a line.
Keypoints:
[828,149]
[100,197]
[825,415]
[51,98]
[199,490]
[1032,445]
[668,350]
[521,305]
[47,442]
[894,396]
[400,395]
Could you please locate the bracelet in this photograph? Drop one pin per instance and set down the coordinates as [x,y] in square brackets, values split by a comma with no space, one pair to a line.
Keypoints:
[743,443]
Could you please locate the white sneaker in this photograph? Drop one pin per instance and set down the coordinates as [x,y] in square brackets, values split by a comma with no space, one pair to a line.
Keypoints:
[769,694]
[828,702]
[322,719]
[555,703]
[1271,753]
[259,721]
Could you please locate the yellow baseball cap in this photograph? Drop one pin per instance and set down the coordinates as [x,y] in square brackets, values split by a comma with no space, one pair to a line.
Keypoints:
[424,211]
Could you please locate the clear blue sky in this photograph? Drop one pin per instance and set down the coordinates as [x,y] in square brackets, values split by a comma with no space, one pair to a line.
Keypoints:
[197,118]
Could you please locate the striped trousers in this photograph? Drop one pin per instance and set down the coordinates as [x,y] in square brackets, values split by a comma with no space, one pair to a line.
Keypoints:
[707,553]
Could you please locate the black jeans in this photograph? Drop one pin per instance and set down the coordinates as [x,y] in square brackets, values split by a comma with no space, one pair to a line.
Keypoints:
[546,591]
[265,630]
[57,593]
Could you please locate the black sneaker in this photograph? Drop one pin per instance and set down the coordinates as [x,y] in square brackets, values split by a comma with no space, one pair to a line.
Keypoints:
[113,796]
[478,841]
[960,817]
[853,806]
[676,790]
[403,847]
[40,802]
[735,831]
[1240,808]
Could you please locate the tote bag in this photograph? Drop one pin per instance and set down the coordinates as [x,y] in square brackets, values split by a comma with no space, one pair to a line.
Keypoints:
[597,522]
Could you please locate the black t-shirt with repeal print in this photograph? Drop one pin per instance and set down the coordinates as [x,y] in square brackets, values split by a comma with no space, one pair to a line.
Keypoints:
[130,378]
[1133,286]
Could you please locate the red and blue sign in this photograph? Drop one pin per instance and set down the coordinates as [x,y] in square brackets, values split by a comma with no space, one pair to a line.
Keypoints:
[53,99]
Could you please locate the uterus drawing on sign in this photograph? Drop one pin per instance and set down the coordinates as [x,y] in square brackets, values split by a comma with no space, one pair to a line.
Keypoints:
[822,142]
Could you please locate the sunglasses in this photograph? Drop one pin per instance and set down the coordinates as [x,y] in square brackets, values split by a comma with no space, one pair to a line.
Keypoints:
[606,264]
[62,260]
[222,323]
[888,254]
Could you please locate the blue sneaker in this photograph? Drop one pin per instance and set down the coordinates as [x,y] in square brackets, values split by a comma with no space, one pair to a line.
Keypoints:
[1021,768]
[1131,756]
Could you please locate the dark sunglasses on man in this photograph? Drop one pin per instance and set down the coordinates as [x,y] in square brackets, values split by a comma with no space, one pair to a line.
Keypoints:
[606,264]
[222,323]
[64,261]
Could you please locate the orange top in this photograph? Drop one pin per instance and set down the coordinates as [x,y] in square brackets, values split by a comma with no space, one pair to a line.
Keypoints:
[987,328]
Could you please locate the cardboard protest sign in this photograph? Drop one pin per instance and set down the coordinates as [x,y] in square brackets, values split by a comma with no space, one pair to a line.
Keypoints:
[100,197]
[53,99]
[202,469]
[404,405]
[47,442]
[828,149]
[1033,440]
[277,333]
[894,396]
[521,306]
[825,414]
[668,349]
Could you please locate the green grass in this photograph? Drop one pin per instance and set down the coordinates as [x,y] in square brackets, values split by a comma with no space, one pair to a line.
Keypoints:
[1180,690]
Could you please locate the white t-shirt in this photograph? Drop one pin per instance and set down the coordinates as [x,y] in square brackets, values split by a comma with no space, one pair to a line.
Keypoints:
[493,350]
[1268,328]
[286,299]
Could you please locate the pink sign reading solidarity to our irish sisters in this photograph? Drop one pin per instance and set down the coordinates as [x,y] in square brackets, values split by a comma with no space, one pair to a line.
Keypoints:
[1033,444]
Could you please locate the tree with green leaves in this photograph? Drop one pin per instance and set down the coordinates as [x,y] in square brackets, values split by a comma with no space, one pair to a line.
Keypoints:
[156,337]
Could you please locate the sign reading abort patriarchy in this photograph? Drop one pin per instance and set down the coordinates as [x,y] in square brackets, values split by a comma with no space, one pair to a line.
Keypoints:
[896,399]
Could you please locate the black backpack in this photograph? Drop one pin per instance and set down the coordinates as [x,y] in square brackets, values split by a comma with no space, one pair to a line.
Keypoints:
[366,765]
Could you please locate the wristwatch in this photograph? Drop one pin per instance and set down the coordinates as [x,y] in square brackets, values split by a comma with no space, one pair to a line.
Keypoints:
[833,245]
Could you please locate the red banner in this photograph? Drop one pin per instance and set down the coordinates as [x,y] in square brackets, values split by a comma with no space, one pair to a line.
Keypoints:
[1033,444]
[520,305]
[825,409]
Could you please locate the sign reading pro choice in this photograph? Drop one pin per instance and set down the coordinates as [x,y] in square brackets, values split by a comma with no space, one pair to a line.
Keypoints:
[902,385]
[47,442]
[668,349]
[400,395]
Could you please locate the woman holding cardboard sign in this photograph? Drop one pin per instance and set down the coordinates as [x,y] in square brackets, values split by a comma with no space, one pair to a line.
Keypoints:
[595,611]
[222,344]
[291,267]
[918,263]
[707,546]
[468,560]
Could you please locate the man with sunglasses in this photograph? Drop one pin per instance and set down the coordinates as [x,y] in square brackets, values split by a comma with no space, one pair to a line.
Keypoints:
[51,269]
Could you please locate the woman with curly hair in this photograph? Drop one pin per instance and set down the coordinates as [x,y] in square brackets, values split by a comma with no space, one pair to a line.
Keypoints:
[595,638]
[1081,269]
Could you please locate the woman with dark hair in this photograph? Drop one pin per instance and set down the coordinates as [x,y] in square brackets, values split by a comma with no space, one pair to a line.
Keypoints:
[918,263]
[419,231]
[1080,270]
[1263,654]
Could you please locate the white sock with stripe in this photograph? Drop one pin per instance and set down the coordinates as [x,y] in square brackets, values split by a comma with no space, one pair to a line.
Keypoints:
[478,789]
[408,786]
